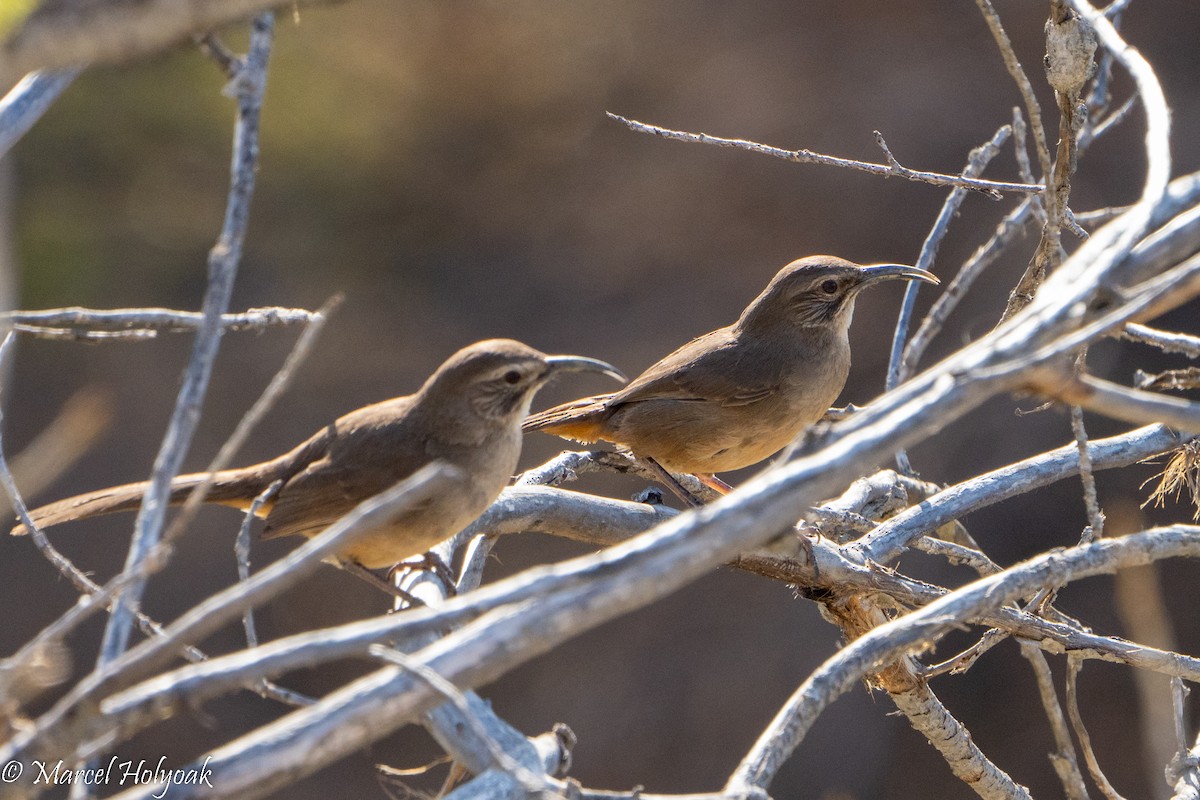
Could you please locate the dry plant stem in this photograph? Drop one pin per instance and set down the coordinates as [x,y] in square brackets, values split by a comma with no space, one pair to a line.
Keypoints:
[993,188]
[957,554]
[1065,761]
[1120,402]
[1012,226]
[1007,231]
[188,687]
[920,628]
[1179,693]
[241,553]
[529,782]
[473,735]
[144,322]
[1099,216]
[62,735]
[499,785]
[929,717]
[26,102]
[1081,733]
[1158,121]
[1047,251]
[1167,341]
[967,658]
[229,61]
[1183,773]
[977,162]
[1142,608]
[908,689]
[1095,527]
[684,547]
[1024,167]
[893,536]
[257,413]
[97,597]
[69,35]
[222,266]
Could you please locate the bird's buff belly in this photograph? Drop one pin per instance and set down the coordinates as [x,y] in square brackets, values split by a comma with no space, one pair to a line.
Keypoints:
[703,442]
[415,532]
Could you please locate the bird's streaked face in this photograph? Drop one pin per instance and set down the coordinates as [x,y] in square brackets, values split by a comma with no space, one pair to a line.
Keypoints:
[498,378]
[820,291]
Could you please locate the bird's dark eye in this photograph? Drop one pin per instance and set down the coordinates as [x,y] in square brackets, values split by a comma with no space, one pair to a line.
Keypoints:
[512,377]
[829,286]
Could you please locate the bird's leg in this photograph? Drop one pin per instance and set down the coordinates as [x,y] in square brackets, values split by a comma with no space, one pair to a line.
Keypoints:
[430,562]
[359,571]
[669,480]
[713,482]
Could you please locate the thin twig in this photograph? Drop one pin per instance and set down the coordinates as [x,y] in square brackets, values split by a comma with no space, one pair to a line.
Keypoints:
[222,265]
[977,161]
[960,663]
[1081,733]
[892,536]
[531,783]
[1167,341]
[1095,526]
[256,414]
[994,189]
[26,102]
[1048,249]
[1065,761]
[920,628]
[241,553]
[143,322]
[1120,402]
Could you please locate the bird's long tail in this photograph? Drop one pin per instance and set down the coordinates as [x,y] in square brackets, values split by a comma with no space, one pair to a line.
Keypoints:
[579,420]
[234,487]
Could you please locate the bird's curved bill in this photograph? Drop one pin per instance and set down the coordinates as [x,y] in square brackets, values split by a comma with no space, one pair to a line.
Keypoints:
[876,272]
[583,364]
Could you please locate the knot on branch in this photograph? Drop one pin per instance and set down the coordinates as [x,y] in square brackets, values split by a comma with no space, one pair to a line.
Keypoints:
[1070,47]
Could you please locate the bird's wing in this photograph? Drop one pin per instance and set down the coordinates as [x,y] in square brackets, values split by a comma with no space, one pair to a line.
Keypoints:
[368,454]
[706,369]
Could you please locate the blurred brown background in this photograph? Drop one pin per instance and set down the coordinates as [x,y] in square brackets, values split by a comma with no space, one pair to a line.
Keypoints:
[448,166]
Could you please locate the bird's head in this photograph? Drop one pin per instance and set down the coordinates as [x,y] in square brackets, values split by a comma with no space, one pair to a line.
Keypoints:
[819,291]
[496,379]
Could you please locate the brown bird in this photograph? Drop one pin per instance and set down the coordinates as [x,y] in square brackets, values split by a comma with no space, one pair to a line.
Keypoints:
[733,397]
[467,414]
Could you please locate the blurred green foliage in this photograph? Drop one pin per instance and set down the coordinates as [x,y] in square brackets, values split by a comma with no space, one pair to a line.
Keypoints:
[13,13]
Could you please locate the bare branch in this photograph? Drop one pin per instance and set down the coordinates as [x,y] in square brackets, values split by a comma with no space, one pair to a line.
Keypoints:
[977,161]
[1065,761]
[25,104]
[222,264]
[142,323]
[919,628]
[890,538]
[1095,526]
[993,188]
[1085,739]
[231,603]
[1167,341]
[1120,402]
